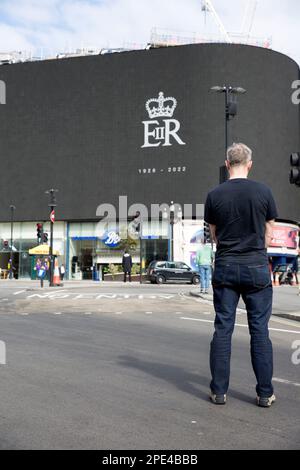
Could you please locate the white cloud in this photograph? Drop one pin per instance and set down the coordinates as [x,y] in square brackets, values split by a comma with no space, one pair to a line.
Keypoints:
[56,25]
[30,12]
[13,39]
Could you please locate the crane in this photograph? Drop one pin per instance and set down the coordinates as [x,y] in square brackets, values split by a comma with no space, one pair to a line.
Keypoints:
[248,18]
[207,6]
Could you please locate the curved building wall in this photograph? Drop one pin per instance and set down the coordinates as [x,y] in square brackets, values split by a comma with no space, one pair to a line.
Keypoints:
[81,125]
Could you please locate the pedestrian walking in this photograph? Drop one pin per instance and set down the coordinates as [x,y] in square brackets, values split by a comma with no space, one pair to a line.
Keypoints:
[62,271]
[241,215]
[41,269]
[127,265]
[204,260]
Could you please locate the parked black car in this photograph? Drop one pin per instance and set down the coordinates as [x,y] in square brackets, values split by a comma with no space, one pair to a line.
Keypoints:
[162,271]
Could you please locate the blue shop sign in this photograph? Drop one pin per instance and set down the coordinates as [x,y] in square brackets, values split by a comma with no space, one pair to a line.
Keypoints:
[111,239]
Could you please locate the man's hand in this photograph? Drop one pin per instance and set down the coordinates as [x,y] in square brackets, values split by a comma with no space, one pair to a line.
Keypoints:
[213,233]
[269,232]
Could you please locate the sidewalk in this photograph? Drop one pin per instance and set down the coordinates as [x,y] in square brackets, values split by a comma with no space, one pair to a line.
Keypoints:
[29,284]
[286,303]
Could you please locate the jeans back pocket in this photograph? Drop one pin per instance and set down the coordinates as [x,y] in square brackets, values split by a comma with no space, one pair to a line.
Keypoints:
[260,275]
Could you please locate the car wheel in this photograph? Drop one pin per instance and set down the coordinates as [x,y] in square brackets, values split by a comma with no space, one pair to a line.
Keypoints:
[196,280]
[160,279]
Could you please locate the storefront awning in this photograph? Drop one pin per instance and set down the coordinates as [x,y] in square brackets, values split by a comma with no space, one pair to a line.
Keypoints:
[42,250]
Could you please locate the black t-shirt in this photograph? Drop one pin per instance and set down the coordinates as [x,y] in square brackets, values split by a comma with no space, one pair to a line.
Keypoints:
[240,209]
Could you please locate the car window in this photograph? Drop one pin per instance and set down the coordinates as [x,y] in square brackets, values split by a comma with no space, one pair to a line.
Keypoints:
[171,265]
[186,266]
[182,266]
[160,265]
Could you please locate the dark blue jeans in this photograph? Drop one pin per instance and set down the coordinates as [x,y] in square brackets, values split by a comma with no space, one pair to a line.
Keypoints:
[253,283]
[204,271]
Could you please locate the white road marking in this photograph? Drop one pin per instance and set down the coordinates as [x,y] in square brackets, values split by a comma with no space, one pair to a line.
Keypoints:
[106,296]
[118,313]
[19,292]
[84,296]
[24,313]
[196,319]
[63,294]
[87,313]
[39,296]
[56,292]
[241,325]
[285,331]
[57,313]
[58,296]
[148,313]
[3,300]
[287,382]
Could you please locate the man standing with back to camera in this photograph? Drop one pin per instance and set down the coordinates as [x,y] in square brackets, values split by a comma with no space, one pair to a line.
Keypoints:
[241,214]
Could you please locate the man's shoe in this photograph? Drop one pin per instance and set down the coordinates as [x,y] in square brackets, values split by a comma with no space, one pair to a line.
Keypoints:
[218,399]
[265,402]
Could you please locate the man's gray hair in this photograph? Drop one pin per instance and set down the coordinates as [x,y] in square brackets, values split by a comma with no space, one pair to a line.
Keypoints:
[239,154]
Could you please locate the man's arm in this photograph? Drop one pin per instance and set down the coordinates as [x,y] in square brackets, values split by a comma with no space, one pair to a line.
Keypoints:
[213,232]
[269,232]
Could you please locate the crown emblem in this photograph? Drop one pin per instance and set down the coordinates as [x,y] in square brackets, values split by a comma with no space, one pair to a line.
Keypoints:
[161,106]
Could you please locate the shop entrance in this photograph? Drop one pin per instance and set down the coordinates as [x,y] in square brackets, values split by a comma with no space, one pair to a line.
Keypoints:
[82,259]
[4,265]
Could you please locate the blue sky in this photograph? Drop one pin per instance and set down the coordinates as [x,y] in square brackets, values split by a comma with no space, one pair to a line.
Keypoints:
[52,26]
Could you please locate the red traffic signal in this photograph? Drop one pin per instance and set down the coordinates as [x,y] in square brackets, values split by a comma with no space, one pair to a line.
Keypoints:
[5,244]
[295,170]
[39,231]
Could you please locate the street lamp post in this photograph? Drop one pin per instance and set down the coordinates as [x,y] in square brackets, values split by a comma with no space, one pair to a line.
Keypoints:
[141,245]
[172,221]
[175,216]
[12,209]
[52,206]
[230,113]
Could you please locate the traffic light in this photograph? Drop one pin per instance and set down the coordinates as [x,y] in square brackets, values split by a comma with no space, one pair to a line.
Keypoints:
[206,231]
[295,170]
[45,237]
[5,244]
[39,232]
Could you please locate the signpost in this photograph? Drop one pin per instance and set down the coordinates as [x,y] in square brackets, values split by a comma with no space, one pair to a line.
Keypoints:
[52,206]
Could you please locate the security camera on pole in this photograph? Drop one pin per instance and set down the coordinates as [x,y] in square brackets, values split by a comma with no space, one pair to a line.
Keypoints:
[52,206]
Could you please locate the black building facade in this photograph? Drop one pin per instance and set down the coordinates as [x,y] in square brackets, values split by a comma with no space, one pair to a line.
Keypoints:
[142,124]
